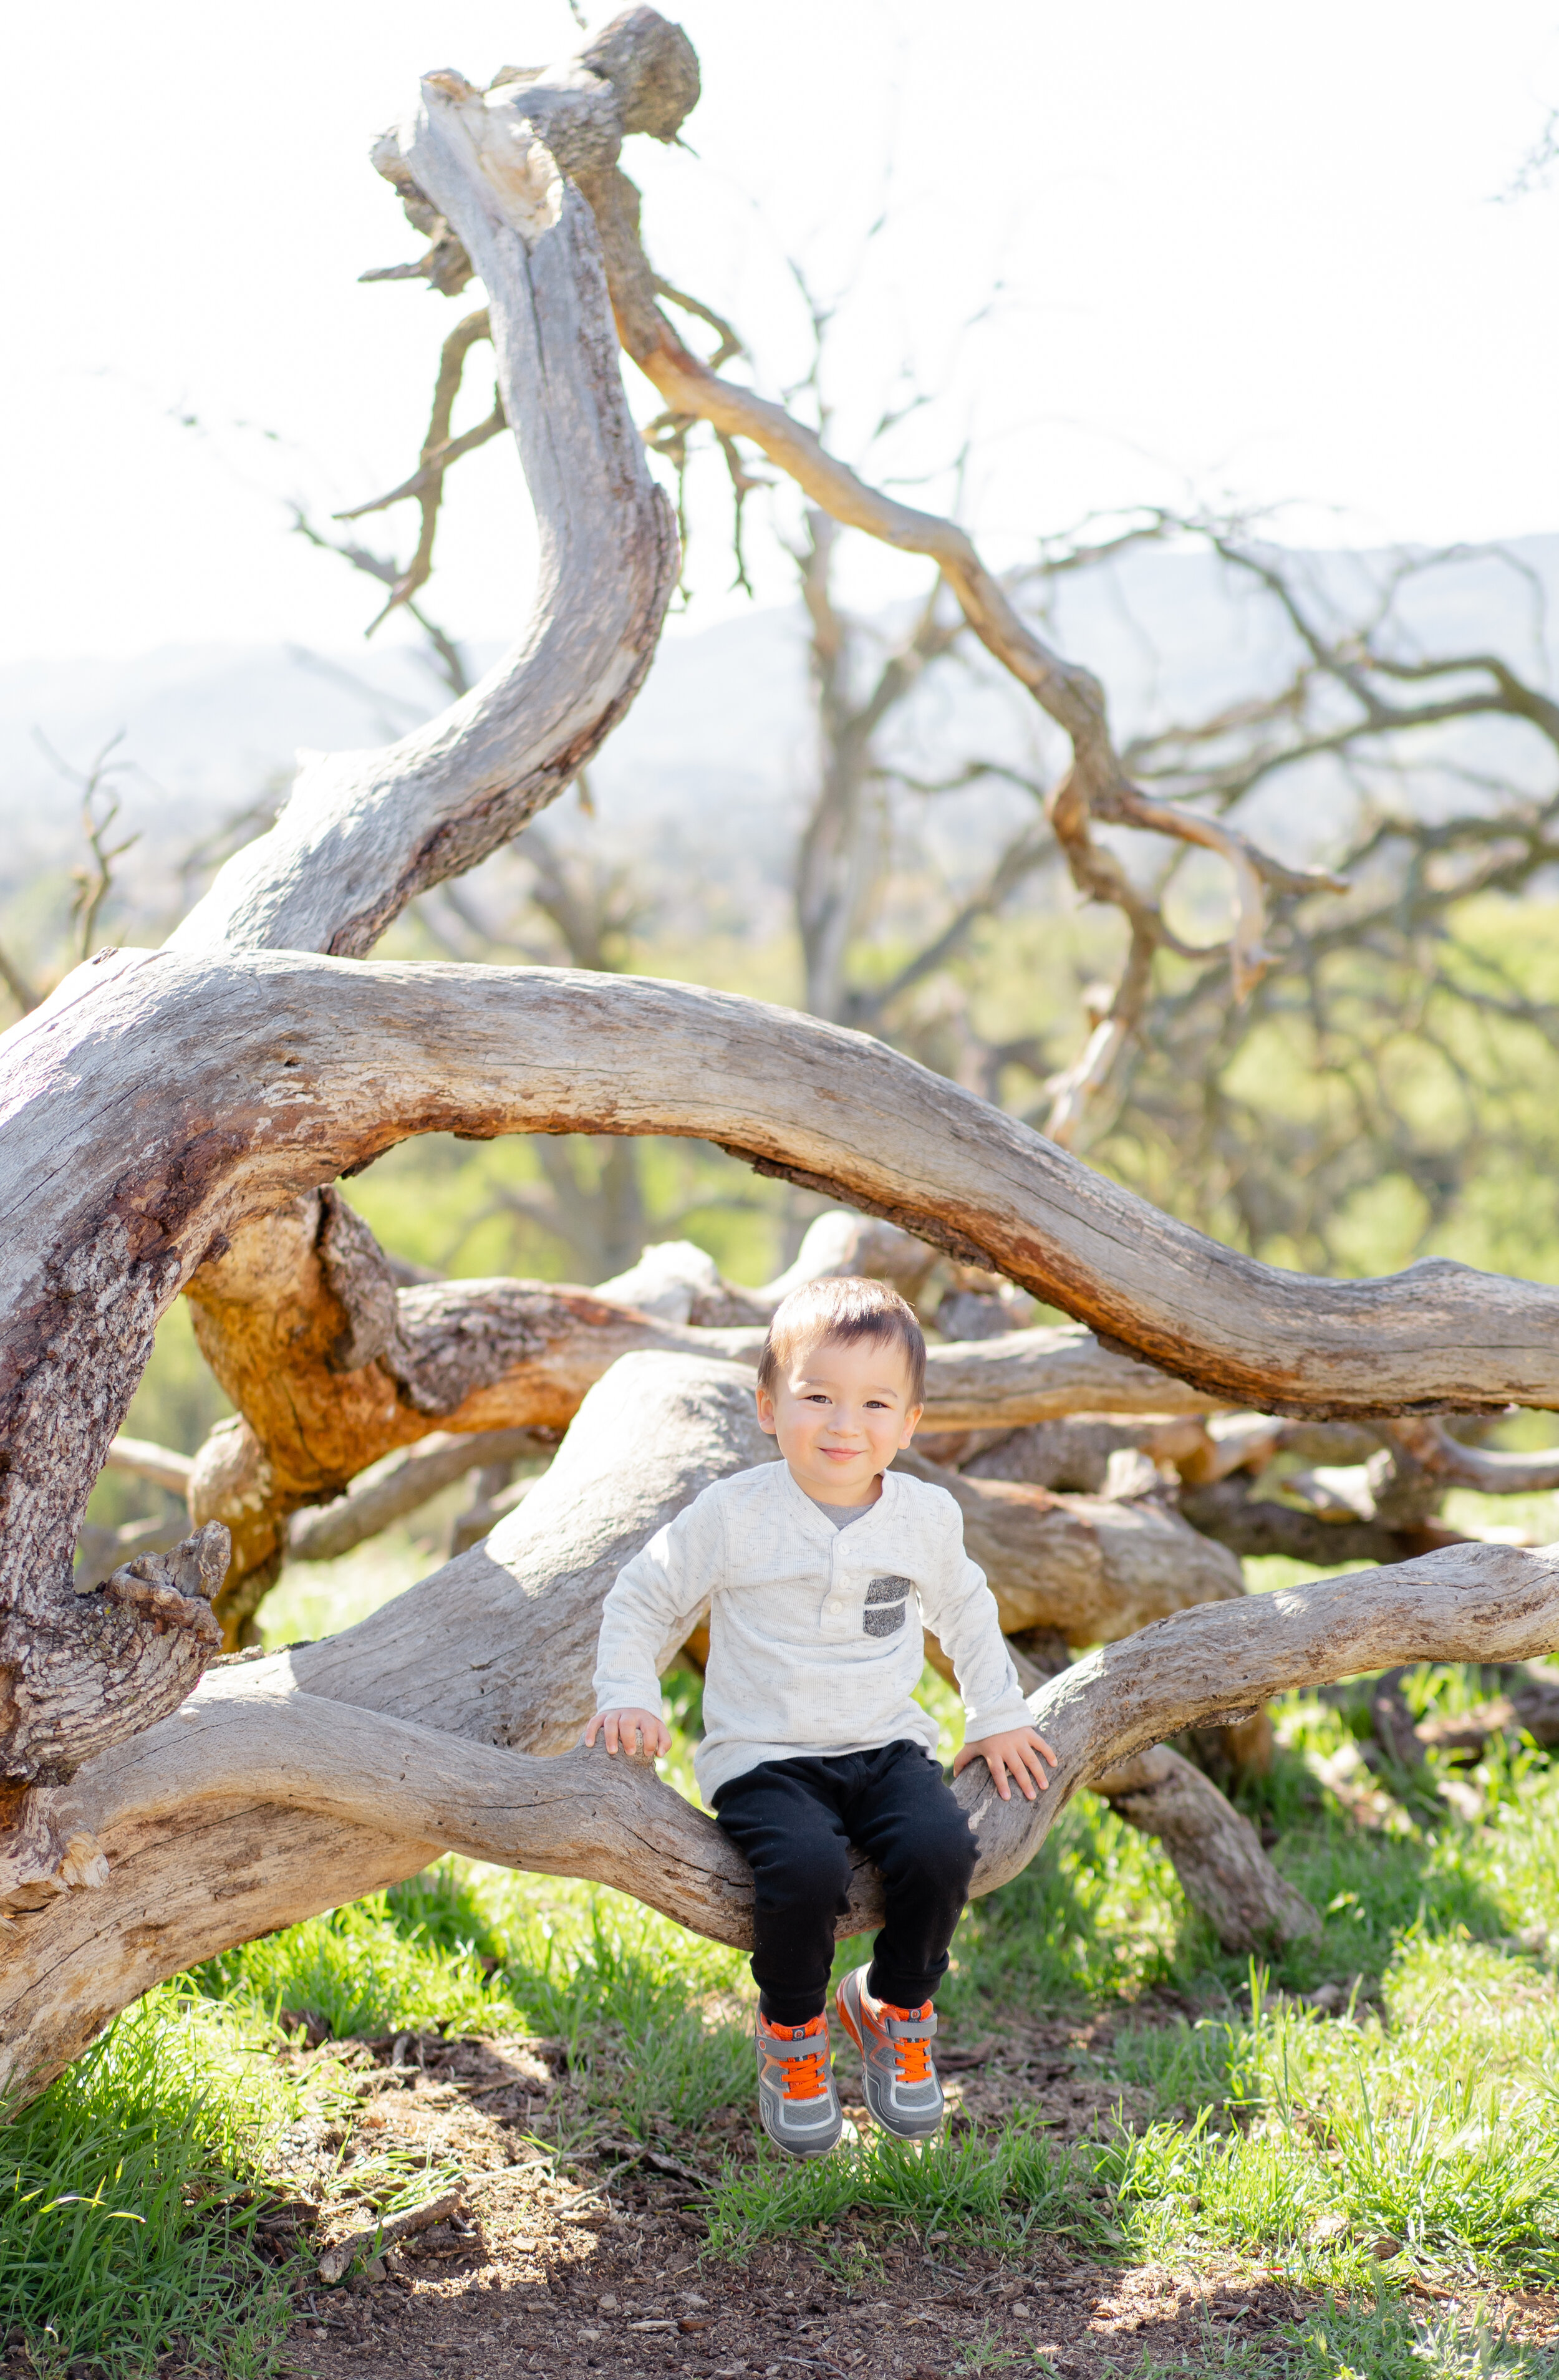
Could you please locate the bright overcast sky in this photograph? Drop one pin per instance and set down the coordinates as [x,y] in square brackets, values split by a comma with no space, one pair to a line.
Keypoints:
[1237,252]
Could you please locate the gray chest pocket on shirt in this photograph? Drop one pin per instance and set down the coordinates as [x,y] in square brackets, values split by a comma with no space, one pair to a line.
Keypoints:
[884,1605]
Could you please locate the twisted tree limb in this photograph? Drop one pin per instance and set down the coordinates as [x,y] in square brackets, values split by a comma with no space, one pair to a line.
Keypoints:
[364,833]
[405,1735]
[583,111]
[159,1103]
[259,1078]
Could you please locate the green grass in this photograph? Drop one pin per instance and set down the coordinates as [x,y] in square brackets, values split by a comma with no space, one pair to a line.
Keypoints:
[1370,2338]
[648,2015]
[959,2188]
[128,2202]
[1291,2140]
[1433,2148]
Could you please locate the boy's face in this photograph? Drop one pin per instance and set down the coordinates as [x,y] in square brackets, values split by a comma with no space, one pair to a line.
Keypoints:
[841,1412]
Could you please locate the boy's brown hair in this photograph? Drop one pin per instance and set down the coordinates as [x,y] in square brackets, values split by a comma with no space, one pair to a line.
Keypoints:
[845,1310]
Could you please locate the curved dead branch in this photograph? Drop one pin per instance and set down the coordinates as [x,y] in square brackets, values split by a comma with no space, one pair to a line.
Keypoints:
[260,1077]
[1465,1603]
[364,833]
[376,1791]
[1434,1449]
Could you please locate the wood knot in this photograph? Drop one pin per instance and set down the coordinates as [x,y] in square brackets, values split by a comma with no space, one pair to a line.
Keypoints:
[175,1589]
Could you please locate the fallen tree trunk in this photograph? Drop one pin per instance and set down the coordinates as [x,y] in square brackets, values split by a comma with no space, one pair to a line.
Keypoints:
[1215,1852]
[159,1464]
[263,1075]
[362,1791]
[315,1776]
[1254,1525]
[496,1650]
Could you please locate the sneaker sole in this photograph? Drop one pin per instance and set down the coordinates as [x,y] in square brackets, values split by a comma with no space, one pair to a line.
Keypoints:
[792,2148]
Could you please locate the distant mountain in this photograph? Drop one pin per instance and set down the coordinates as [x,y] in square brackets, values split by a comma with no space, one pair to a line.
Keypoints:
[711,766]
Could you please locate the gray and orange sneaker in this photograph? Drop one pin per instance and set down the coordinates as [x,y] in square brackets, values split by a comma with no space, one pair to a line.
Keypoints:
[900,2082]
[796,2100]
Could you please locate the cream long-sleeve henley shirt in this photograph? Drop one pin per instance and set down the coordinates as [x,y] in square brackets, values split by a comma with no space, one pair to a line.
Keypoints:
[814,1631]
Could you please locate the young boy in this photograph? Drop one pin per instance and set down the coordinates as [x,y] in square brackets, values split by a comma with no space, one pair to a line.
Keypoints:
[819,1571]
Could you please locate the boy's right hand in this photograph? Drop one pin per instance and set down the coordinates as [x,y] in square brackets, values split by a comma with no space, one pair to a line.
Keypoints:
[634,1729]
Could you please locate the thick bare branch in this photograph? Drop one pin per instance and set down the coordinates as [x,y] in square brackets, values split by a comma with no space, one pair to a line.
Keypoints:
[342,1780]
[364,833]
[1434,1449]
[404,1484]
[262,1076]
[1216,1854]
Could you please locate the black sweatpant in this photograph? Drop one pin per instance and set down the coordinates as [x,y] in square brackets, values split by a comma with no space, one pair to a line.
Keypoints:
[795,1821]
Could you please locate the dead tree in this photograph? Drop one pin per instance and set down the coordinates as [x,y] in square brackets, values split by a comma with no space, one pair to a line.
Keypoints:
[176,1120]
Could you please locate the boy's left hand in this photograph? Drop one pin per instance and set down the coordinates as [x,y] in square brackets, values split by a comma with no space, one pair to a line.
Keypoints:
[1020,1750]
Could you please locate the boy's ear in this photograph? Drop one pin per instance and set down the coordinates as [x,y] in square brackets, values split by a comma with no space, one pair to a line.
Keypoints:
[911,1423]
[765,1412]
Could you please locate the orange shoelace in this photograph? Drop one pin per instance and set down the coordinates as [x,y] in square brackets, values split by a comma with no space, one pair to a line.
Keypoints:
[914,2062]
[804,2080]
[804,2076]
[914,2057]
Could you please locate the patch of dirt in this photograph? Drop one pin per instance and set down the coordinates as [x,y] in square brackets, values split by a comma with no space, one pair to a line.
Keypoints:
[1043,2069]
[591,2259]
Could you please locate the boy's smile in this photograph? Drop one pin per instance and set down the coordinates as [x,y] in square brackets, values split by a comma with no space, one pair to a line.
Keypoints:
[841,1412]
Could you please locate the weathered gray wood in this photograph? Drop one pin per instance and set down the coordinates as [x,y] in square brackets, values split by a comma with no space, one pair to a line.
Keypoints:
[404,1484]
[495,1649]
[160,1464]
[159,1103]
[159,1100]
[516,1668]
[1045,1374]
[364,831]
[1215,1852]
[170,1817]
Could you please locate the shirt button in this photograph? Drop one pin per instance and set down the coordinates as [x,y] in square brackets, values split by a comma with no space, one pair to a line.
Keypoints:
[836,1607]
